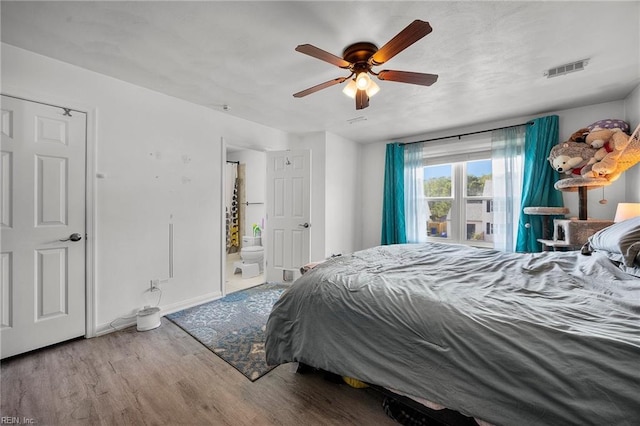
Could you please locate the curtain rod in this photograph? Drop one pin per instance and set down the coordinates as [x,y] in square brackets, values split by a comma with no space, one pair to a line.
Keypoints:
[467,134]
[233,162]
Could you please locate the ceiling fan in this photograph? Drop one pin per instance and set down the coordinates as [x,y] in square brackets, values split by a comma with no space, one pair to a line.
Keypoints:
[361,57]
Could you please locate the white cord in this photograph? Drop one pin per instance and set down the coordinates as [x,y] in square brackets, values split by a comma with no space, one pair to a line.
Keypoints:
[121,318]
[159,297]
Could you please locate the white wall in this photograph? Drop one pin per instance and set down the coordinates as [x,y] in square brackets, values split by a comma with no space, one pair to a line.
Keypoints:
[632,175]
[162,157]
[373,157]
[371,190]
[342,198]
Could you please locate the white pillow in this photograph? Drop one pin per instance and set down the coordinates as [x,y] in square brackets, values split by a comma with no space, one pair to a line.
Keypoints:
[620,241]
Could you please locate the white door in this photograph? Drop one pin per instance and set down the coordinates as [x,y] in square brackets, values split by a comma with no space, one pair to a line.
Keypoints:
[288,212]
[42,179]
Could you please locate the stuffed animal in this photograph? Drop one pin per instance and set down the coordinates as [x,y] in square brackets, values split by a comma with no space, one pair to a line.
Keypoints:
[608,165]
[606,147]
[573,159]
[610,138]
[601,131]
[598,138]
[610,123]
[579,135]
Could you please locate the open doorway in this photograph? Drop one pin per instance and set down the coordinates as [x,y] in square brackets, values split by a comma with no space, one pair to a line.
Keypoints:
[245,212]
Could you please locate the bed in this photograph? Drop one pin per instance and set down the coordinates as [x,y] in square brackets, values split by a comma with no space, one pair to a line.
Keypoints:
[549,338]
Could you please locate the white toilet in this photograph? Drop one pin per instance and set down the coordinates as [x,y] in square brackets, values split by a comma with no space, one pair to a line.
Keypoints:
[252,255]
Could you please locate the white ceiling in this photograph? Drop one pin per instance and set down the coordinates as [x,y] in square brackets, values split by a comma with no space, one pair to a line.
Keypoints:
[490,56]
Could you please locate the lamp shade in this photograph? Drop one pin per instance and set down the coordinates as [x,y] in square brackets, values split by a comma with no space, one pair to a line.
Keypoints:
[372,89]
[350,89]
[363,80]
[627,211]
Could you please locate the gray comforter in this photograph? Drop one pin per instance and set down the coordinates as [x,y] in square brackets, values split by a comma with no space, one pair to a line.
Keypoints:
[513,339]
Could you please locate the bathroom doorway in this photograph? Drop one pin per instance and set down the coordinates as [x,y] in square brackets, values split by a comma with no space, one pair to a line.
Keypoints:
[245,212]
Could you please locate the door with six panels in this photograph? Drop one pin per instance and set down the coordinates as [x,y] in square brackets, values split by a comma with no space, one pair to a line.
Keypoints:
[42,218]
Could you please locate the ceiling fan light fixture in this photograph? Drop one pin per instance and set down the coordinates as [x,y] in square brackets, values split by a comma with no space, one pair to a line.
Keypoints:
[350,89]
[372,89]
[363,80]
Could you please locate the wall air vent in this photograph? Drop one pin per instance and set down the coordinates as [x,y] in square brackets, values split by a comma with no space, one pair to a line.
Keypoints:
[566,68]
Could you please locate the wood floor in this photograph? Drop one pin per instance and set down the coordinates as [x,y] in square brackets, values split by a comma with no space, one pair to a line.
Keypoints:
[165,377]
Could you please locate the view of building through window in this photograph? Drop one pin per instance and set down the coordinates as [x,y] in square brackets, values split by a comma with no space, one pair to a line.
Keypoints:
[459,201]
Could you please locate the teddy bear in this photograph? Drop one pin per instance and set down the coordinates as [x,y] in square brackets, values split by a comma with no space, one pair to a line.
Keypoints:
[610,138]
[573,159]
[607,166]
[599,138]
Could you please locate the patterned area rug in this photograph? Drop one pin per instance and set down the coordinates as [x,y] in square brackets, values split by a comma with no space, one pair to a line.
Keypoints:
[233,327]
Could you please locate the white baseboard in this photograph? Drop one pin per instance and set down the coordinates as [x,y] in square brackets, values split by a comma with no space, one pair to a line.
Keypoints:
[178,306]
[106,328]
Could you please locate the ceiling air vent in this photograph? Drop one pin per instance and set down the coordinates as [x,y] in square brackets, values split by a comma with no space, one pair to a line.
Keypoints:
[357,119]
[566,68]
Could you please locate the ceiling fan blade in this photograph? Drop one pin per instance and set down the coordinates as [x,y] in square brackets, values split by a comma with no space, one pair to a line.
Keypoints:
[323,55]
[320,86]
[405,38]
[362,100]
[408,77]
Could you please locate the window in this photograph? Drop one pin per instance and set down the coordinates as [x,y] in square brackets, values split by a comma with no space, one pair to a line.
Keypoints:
[459,201]
[489,206]
[489,228]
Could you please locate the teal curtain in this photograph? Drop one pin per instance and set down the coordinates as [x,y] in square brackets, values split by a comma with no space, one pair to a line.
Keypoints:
[539,178]
[393,225]
[507,164]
